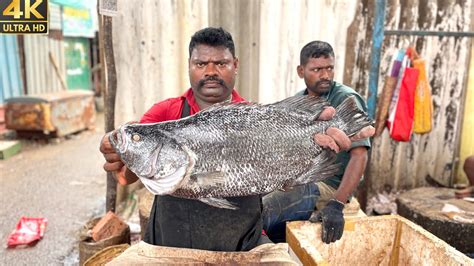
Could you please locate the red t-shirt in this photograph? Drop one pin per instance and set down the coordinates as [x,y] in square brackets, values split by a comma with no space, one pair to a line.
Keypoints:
[165,229]
[171,109]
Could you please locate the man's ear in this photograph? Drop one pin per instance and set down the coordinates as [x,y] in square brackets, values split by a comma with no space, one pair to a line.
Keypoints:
[300,71]
[189,66]
[236,63]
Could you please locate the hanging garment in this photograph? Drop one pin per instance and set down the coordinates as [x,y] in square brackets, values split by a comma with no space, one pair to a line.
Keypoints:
[405,62]
[423,103]
[385,97]
[383,104]
[402,124]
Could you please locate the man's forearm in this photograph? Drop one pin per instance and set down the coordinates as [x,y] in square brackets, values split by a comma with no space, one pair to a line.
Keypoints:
[353,173]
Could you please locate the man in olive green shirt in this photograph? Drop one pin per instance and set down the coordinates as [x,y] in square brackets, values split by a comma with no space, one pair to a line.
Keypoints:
[329,196]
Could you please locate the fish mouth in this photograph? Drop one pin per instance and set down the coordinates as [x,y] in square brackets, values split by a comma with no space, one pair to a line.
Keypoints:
[118,140]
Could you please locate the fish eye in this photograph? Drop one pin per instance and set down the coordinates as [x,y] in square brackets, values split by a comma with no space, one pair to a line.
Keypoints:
[135,137]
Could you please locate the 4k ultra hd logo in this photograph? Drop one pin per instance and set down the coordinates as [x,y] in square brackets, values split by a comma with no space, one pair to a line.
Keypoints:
[24,16]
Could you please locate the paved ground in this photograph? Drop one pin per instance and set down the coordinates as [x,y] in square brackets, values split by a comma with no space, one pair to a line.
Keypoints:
[62,181]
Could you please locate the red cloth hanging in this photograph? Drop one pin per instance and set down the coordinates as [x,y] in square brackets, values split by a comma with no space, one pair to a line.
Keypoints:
[402,125]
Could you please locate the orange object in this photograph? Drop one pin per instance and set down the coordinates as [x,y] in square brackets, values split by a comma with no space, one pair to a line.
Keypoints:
[110,225]
[423,112]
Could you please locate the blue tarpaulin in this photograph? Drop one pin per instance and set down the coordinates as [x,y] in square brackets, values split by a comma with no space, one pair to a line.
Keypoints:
[10,75]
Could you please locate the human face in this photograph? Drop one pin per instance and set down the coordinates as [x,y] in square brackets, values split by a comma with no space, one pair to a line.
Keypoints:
[318,74]
[212,72]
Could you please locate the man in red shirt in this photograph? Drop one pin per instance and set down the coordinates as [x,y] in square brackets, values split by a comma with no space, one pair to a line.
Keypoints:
[179,222]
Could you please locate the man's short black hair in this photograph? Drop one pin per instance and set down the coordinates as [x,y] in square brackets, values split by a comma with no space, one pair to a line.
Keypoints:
[315,49]
[212,37]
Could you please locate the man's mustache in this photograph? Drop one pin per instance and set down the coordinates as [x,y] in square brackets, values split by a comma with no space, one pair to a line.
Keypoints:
[323,82]
[211,78]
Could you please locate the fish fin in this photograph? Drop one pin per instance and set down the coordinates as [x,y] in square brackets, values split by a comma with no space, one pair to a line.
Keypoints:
[309,104]
[219,203]
[320,170]
[227,105]
[352,117]
[208,179]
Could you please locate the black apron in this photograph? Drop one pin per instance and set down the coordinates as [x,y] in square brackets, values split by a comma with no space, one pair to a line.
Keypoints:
[186,223]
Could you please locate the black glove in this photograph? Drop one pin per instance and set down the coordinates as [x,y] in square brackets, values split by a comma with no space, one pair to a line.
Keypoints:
[332,221]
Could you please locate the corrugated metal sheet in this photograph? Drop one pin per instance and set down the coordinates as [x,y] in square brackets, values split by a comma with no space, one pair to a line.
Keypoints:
[286,26]
[269,36]
[40,74]
[151,40]
[406,165]
[151,50]
[55,22]
[242,19]
[11,84]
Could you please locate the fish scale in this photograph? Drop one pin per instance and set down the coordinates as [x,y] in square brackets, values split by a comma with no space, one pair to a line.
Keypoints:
[232,150]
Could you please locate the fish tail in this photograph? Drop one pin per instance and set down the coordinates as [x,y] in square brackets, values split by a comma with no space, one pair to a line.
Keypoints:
[350,118]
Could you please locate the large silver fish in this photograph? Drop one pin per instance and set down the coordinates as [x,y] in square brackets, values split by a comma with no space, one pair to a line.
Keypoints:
[231,150]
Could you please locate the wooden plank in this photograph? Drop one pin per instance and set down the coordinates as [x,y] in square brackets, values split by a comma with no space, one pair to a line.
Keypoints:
[307,254]
[394,258]
[146,254]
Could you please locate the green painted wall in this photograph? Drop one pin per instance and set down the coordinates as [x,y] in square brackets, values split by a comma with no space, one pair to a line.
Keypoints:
[78,70]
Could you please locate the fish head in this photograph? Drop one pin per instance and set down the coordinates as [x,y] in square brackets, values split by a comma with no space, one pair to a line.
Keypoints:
[152,153]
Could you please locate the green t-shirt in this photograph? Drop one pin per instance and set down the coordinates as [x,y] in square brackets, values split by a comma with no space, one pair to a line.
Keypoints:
[336,95]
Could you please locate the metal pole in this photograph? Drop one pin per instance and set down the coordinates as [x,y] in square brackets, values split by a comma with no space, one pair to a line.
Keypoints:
[377,39]
[431,33]
[376,51]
